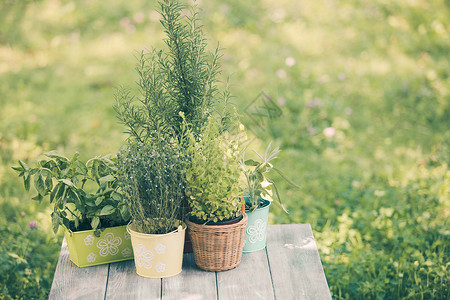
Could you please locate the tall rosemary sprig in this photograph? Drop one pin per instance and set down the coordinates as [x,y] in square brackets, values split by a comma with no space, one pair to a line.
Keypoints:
[181,79]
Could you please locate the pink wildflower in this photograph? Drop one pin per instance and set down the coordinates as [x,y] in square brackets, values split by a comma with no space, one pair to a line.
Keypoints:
[329,132]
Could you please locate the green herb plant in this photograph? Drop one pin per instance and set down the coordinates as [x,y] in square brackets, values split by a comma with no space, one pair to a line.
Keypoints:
[180,79]
[84,194]
[258,184]
[152,178]
[213,175]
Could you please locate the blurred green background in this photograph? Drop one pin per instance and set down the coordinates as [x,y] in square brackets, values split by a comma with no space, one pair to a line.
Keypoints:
[363,91]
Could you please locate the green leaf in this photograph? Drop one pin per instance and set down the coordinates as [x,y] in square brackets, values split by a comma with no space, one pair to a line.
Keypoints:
[81,166]
[75,156]
[259,176]
[125,213]
[278,197]
[23,165]
[48,183]
[107,210]
[65,221]
[106,178]
[286,178]
[94,170]
[55,191]
[90,203]
[251,162]
[54,154]
[26,182]
[95,221]
[55,222]
[73,195]
[38,197]
[99,200]
[61,193]
[33,171]
[39,184]
[18,169]
[107,160]
[68,182]
[116,196]
[44,172]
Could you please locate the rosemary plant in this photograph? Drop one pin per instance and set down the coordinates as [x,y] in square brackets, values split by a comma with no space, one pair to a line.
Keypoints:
[180,79]
[152,177]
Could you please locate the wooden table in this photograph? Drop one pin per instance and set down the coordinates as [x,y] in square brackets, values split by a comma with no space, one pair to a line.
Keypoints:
[289,268]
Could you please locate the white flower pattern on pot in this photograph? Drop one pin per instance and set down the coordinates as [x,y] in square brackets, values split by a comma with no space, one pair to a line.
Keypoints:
[256,232]
[88,240]
[142,256]
[160,249]
[126,252]
[109,244]
[91,257]
[127,236]
[160,267]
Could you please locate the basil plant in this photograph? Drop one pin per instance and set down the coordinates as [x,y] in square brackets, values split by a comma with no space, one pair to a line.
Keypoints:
[84,195]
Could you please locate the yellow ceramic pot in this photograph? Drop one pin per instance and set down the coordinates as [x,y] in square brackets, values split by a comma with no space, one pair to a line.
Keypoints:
[158,255]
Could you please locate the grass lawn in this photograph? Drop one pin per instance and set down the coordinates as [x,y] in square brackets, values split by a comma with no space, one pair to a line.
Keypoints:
[361,92]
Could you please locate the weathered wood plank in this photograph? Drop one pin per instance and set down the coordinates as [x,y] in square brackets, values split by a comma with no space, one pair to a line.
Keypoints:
[294,262]
[289,268]
[250,280]
[71,282]
[192,283]
[124,283]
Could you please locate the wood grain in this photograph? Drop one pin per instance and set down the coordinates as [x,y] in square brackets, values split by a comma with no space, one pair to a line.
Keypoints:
[294,262]
[250,280]
[191,284]
[71,282]
[289,268]
[124,283]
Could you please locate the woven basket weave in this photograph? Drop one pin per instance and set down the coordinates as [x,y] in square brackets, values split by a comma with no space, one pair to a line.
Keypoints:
[218,247]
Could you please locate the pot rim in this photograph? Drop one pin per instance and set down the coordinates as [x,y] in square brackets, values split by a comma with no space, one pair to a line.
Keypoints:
[226,222]
[265,201]
[90,230]
[225,226]
[183,226]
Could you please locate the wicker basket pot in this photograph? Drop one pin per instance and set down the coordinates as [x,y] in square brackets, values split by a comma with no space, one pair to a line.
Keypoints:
[218,247]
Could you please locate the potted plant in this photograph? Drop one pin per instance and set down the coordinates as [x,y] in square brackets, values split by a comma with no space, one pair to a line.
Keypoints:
[86,203]
[259,191]
[216,225]
[152,181]
[180,78]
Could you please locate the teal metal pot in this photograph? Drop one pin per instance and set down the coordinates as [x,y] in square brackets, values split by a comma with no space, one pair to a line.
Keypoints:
[256,232]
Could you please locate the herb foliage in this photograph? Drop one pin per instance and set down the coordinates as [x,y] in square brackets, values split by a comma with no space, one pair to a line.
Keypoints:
[213,175]
[180,79]
[152,178]
[258,184]
[84,194]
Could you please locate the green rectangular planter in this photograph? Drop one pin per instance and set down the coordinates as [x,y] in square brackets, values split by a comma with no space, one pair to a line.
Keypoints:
[85,249]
